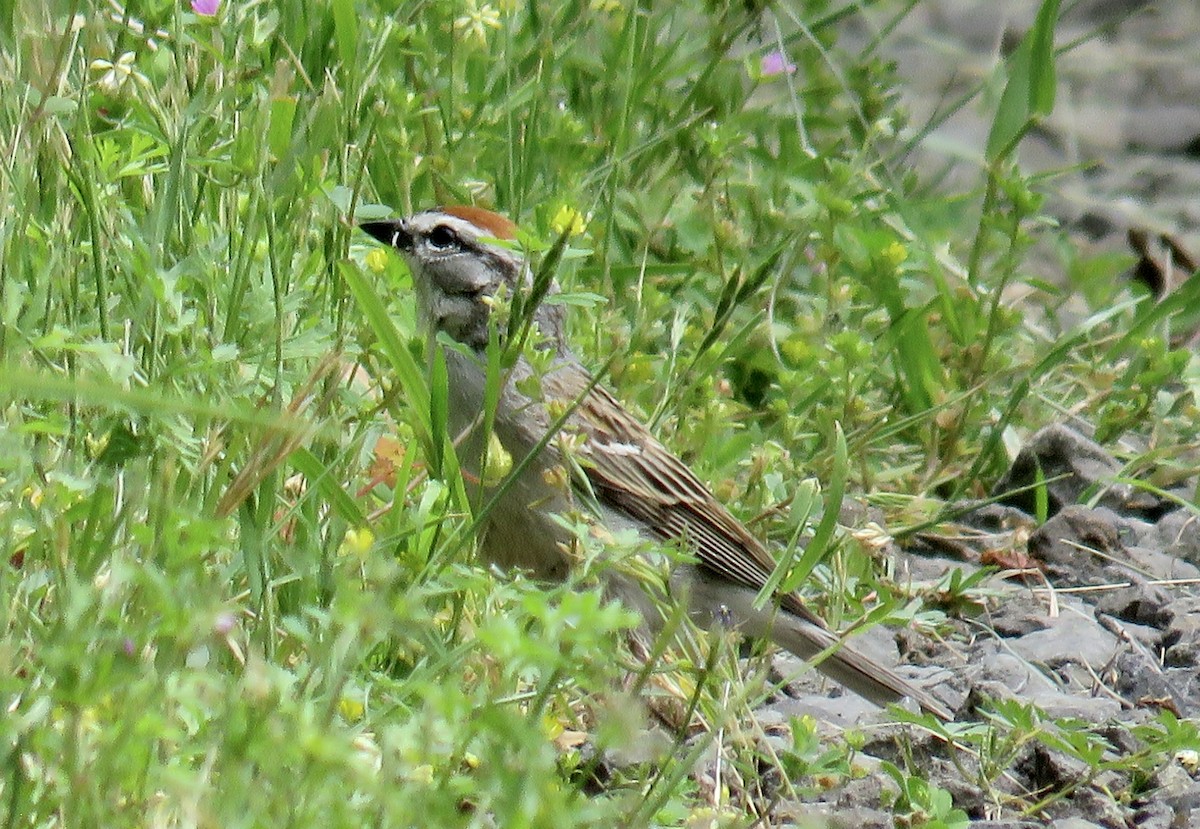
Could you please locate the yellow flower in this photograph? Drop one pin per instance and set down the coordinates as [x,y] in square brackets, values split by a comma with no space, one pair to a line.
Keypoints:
[895,253]
[352,709]
[556,476]
[497,462]
[568,220]
[420,774]
[34,494]
[377,260]
[551,726]
[474,24]
[116,72]
[357,542]
[96,446]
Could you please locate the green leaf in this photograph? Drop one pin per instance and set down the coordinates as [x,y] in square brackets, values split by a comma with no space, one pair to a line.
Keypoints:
[345,24]
[279,134]
[833,503]
[439,404]
[320,476]
[395,351]
[818,547]
[802,505]
[1042,75]
[1029,91]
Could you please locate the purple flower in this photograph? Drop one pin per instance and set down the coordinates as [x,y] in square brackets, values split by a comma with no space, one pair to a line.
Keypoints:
[224,623]
[208,8]
[776,63]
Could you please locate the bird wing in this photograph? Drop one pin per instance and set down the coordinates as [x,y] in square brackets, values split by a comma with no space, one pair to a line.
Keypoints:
[630,471]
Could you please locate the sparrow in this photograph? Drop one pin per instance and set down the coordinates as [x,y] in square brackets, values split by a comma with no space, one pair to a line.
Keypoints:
[466,265]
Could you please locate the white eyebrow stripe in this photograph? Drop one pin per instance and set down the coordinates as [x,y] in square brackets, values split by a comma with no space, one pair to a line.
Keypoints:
[423,223]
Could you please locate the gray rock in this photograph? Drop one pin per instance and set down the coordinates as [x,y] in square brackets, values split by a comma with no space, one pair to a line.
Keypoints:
[1185,621]
[1183,655]
[1074,546]
[1093,710]
[1144,636]
[1141,603]
[1178,534]
[853,818]
[1186,683]
[1140,680]
[1097,805]
[1182,636]
[1040,769]
[978,24]
[1175,788]
[1071,464]
[1019,615]
[1143,65]
[1071,637]
[809,696]
[1130,529]
[1156,815]
[1159,565]
[1096,12]
[1169,128]
[1015,677]
[1005,676]
[1083,547]
[1073,823]
[998,519]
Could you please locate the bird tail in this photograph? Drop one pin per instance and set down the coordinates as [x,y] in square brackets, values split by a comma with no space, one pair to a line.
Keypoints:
[843,664]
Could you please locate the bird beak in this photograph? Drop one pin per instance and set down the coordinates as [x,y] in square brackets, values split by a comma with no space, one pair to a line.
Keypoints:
[391,232]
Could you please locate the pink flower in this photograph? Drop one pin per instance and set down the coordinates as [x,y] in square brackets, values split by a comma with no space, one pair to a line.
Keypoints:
[224,623]
[773,63]
[207,8]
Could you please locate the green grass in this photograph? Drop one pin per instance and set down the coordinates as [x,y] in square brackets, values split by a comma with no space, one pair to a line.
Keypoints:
[208,620]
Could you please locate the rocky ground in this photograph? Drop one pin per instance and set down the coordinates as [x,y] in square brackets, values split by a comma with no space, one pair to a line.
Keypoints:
[1103,626]
[1124,137]
[1095,620]
[1096,617]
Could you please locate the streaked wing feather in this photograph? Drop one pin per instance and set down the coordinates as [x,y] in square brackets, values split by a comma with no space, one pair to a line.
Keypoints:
[635,474]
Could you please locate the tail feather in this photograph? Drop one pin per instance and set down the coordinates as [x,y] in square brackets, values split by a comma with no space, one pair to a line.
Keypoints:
[843,664]
[713,600]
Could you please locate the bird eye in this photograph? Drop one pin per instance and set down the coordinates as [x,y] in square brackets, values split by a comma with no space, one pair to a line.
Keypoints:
[442,237]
